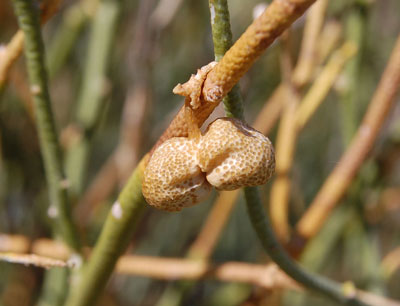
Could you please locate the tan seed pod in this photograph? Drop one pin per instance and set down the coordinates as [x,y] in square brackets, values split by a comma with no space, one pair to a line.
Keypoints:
[173,179]
[235,155]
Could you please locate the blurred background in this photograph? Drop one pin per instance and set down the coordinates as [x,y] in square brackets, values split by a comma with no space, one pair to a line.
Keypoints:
[112,66]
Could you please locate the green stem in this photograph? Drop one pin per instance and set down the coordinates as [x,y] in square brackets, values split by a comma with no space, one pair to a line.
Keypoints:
[222,39]
[54,287]
[113,240]
[263,228]
[28,19]
[91,96]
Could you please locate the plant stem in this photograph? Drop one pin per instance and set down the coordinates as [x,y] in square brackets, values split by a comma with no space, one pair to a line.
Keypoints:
[113,240]
[28,19]
[258,218]
[278,16]
[222,39]
[263,228]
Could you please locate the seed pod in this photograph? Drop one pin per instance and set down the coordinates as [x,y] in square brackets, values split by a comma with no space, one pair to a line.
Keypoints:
[173,179]
[235,155]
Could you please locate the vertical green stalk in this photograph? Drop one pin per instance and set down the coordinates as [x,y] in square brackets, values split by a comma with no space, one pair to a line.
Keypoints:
[90,100]
[222,39]
[28,19]
[55,287]
[263,228]
[113,240]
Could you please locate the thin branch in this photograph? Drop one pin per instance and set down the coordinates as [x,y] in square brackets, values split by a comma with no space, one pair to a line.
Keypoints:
[285,146]
[114,238]
[328,40]
[263,228]
[33,260]
[267,276]
[391,262]
[9,54]
[339,180]
[28,19]
[259,35]
[74,20]
[212,228]
[323,83]
[222,39]
[278,16]
[308,52]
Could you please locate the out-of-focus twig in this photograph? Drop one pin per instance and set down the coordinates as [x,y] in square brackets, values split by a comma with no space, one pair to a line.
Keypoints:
[328,40]
[340,178]
[9,54]
[269,241]
[391,262]
[284,148]
[323,83]
[213,226]
[32,259]
[267,276]
[74,20]
[308,52]
[165,12]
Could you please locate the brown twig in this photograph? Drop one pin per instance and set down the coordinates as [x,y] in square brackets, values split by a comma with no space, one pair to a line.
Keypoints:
[391,262]
[267,276]
[240,57]
[9,55]
[33,260]
[285,145]
[212,228]
[308,52]
[328,40]
[341,177]
[323,83]
[265,121]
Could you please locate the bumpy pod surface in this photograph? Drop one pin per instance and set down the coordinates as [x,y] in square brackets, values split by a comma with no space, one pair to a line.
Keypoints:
[234,155]
[173,179]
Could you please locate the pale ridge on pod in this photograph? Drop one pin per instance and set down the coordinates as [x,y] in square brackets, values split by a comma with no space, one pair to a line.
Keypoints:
[230,155]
